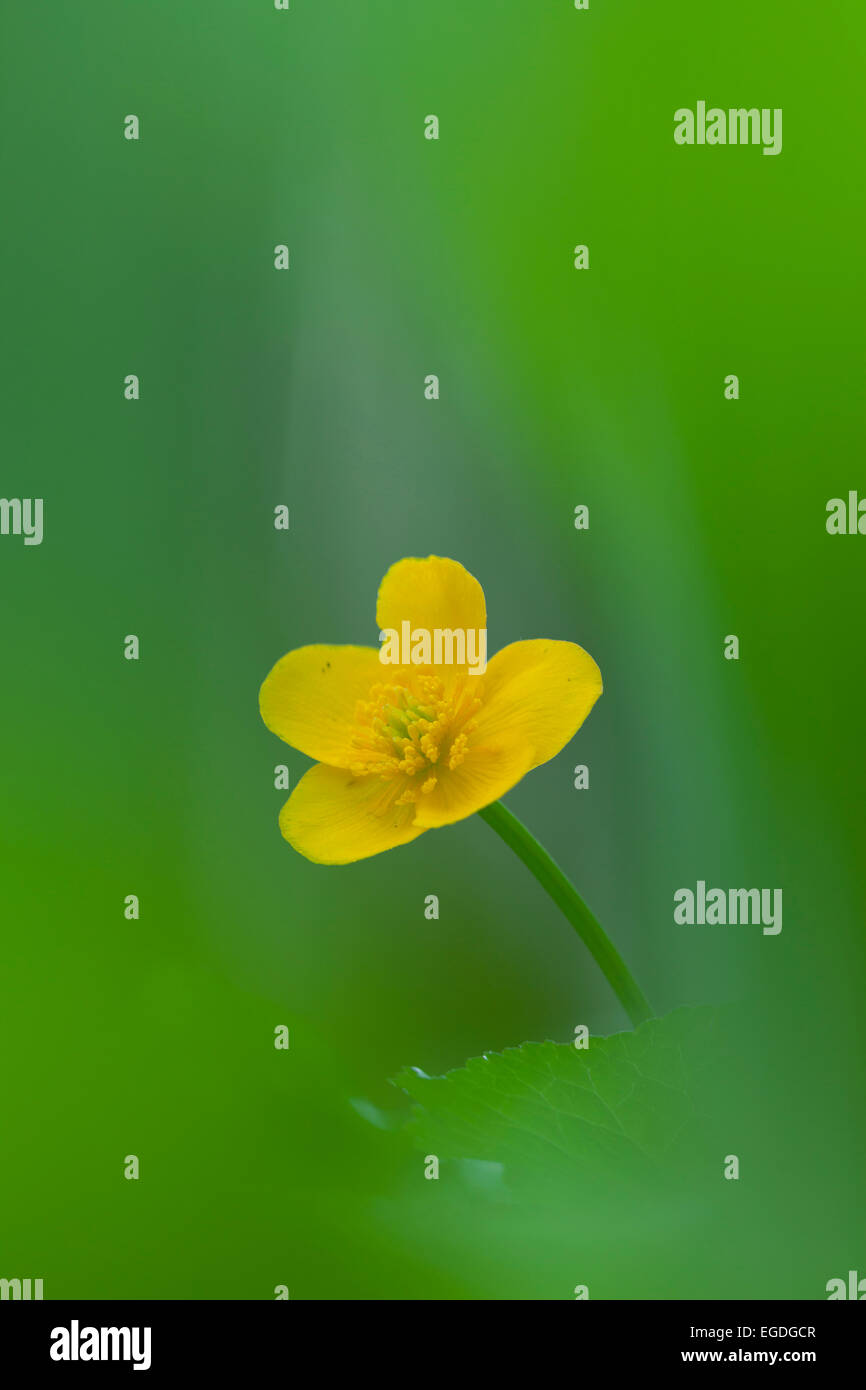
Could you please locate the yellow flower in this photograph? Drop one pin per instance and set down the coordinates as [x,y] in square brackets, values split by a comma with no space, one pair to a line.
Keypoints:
[401,749]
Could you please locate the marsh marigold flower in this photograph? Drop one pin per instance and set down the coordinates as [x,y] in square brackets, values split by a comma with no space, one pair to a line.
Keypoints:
[401,749]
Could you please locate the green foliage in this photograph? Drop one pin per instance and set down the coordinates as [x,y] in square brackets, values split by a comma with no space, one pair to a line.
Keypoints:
[634,1103]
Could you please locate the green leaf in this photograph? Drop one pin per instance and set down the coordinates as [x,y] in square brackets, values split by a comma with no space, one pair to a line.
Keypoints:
[633,1103]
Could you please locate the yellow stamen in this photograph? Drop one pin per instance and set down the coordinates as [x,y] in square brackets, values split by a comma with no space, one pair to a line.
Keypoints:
[414,733]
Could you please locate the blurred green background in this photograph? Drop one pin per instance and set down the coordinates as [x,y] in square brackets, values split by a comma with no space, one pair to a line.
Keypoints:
[558,387]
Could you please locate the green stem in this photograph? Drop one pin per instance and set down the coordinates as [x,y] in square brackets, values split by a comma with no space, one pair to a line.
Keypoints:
[567,898]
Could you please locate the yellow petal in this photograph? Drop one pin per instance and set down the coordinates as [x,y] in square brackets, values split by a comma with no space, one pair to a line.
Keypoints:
[487,773]
[537,694]
[309,699]
[335,818]
[432,593]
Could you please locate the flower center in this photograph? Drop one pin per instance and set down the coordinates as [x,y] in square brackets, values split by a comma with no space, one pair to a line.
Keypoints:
[415,733]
